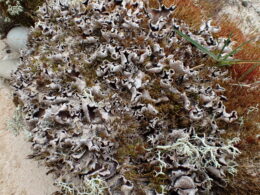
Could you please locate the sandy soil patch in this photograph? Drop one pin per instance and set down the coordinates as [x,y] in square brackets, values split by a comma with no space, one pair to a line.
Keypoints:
[245,13]
[18,175]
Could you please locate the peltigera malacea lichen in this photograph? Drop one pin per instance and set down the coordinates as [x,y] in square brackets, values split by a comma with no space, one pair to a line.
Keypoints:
[110,91]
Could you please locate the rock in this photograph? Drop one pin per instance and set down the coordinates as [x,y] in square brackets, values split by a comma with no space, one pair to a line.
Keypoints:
[6,52]
[245,3]
[17,38]
[2,46]
[7,67]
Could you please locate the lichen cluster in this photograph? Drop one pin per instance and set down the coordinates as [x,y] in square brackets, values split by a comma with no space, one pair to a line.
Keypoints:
[17,12]
[13,8]
[114,98]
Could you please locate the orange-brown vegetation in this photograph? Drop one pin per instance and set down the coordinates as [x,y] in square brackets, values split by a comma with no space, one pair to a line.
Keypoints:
[195,13]
[240,98]
[250,51]
[187,11]
[247,103]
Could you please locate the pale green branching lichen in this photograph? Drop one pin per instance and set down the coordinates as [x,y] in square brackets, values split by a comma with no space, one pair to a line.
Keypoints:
[162,165]
[66,187]
[7,19]
[16,124]
[15,10]
[202,153]
[13,7]
[253,109]
[94,186]
[90,186]
[163,189]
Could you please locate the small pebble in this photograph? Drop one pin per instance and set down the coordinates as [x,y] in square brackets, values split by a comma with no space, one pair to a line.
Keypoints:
[245,3]
[17,38]
[7,67]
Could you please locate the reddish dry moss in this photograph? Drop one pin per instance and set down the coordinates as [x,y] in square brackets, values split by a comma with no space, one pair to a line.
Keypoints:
[250,51]
[187,11]
[193,14]
[211,8]
[247,128]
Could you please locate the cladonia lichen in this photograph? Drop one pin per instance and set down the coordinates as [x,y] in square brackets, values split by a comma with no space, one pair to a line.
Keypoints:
[16,124]
[13,8]
[89,186]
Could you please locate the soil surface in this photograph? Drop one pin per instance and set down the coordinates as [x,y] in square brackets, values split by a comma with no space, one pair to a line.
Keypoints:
[246,13]
[18,175]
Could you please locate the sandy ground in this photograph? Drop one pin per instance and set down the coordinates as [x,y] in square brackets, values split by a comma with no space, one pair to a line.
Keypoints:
[21,176]
[246,13]
[18,175]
